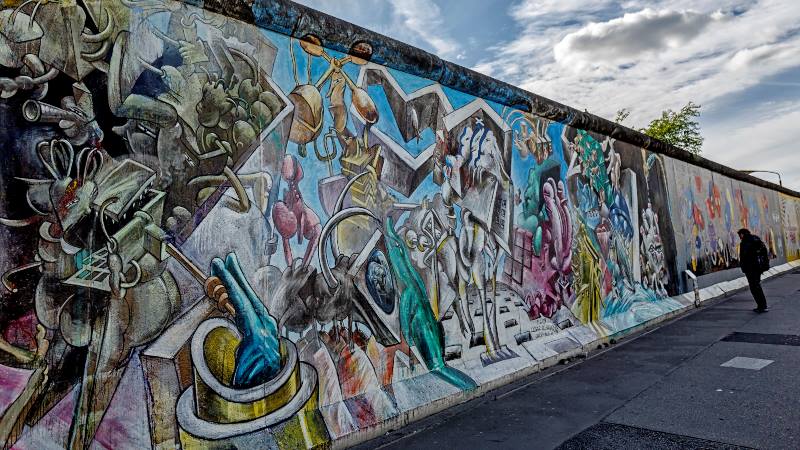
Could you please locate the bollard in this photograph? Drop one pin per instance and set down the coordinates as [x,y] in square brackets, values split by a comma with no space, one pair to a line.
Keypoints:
[690,275]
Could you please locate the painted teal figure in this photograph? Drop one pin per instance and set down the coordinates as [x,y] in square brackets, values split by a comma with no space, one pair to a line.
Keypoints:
[533,214]
[594,167]
[420,327]
[258,357]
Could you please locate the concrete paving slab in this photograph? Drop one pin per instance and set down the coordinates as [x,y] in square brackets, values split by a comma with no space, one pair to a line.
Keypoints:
[740,282]
[743,362]
[561,343]
[728,286]
[584,335]
[686,299]
[539,351]
[710,293]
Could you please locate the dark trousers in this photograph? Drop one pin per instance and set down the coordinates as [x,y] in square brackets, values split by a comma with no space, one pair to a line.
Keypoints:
[754,280]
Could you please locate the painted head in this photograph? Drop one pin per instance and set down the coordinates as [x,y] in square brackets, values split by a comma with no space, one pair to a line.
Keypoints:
[380,282]
[71,192]
[537,176]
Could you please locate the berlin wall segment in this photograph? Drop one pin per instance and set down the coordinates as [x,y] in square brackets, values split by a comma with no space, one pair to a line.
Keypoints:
[223,235]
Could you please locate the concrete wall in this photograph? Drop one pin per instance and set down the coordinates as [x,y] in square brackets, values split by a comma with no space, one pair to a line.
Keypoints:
[219,235]
[790,214]
[709,208]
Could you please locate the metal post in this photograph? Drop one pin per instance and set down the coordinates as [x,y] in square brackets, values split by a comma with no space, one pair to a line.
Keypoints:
[690,275]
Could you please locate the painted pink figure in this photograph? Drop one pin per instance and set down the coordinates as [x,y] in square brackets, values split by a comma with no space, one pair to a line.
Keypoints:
[550,274]
[292,216]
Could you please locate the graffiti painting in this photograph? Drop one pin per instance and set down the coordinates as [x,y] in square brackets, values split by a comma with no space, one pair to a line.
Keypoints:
[218,236]
[790,214]
[713,208]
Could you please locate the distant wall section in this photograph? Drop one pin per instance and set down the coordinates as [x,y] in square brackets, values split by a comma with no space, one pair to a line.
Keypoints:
[708,210]
[220,235]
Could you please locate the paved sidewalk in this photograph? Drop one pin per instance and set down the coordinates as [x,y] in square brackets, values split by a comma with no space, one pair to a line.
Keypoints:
[720,377]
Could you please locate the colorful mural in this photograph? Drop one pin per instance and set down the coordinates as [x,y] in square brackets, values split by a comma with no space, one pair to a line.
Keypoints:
[712,208]
[790,213]
[218,236]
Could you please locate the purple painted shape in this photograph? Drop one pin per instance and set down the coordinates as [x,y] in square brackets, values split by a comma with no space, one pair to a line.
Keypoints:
[12,381]
[125,424]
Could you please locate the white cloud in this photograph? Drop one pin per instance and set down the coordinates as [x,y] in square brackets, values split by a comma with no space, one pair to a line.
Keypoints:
[534,9]
[417,22]
[423,18]
[627,37]
[750,57]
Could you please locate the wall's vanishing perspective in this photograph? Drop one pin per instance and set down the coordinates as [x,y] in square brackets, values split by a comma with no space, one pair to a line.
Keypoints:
[790,213]
[219,236]
[709,209]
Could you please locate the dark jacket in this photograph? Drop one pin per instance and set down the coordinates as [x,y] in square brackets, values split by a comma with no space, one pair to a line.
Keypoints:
[748,254]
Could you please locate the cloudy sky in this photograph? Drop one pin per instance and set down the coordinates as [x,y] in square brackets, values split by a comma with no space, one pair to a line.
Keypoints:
[739,59]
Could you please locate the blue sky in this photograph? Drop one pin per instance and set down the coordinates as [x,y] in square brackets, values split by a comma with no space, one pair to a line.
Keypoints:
[739,59]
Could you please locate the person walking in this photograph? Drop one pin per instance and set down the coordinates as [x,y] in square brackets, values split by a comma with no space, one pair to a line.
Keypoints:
[754,260]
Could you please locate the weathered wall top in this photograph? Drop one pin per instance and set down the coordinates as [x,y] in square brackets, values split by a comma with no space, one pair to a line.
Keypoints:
[300,22]
[254,240]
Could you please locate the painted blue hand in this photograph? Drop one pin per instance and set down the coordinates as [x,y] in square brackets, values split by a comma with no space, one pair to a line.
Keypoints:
[258,357]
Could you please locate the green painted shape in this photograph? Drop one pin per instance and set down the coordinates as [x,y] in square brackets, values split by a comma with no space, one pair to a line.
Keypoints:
[420,327]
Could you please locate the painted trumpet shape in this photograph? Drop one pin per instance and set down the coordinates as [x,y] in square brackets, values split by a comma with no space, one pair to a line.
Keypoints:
[258,356]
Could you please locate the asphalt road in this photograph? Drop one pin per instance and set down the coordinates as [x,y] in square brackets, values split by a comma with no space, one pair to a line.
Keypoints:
[719,377]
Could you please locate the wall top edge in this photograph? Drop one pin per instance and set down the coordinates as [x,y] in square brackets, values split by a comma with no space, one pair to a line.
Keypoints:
[298,21]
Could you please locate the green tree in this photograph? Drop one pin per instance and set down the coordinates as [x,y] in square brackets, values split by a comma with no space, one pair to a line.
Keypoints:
[677,128]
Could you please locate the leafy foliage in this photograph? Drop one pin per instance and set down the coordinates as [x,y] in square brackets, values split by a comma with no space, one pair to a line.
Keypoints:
[678,128]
